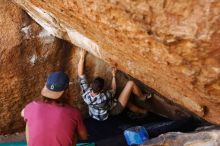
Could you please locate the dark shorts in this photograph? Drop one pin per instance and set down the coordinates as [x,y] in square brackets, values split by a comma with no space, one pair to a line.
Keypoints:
[117,109]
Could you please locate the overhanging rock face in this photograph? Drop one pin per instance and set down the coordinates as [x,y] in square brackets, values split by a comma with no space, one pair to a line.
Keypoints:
[172,46]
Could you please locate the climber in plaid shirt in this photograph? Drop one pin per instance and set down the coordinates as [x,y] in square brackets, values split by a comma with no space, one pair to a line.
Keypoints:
[102,103]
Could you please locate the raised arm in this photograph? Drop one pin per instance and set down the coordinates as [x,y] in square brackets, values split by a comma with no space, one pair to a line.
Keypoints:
[113,78]
[81,62]
[82,78]
[111,93]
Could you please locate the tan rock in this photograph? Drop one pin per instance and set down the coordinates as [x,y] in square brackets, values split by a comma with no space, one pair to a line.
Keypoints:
[29,53]
[172,46]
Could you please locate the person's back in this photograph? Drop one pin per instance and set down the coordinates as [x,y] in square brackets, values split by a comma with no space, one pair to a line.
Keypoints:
[51,124]
[50,121]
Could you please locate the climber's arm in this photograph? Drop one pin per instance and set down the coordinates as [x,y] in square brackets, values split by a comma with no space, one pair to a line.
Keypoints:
[111,93]
[82,78]
[81,62]
[113,79]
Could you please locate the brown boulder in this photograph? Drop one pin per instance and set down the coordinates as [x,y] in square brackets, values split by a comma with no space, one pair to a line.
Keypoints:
[27,54]
[172,46]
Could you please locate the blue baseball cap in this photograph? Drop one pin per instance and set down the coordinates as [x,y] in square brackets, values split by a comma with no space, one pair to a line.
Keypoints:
[56,83]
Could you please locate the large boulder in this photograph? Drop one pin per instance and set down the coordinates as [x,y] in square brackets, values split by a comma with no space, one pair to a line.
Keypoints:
[28,53]
[172,46]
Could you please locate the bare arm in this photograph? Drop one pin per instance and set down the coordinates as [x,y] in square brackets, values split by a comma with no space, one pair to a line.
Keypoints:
[111,93]
[83,134]
[81,128]
[113,78]
[81,62]
[82,78]
[22,113]
[27,133]
[26,128]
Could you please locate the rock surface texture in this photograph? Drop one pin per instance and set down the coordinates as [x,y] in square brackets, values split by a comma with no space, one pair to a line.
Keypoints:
[199,138]
[29,53]
[172,46]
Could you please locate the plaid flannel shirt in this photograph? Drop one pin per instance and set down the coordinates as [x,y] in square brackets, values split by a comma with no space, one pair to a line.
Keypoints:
[100,104]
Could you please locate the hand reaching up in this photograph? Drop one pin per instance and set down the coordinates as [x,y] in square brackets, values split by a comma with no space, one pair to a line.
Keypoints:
[114,71]
[83,53]
[81,62]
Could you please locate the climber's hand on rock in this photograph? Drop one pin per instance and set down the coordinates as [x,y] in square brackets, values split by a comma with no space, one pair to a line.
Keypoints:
[83,53]
[114,71]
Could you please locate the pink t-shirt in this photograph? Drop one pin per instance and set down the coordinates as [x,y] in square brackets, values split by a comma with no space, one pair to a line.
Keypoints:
[52,124]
